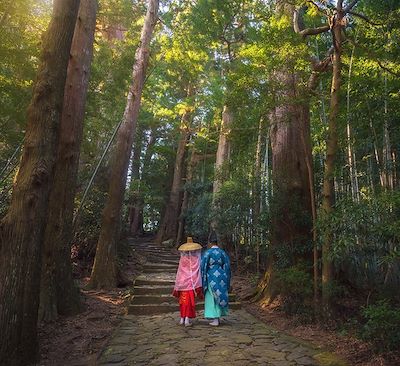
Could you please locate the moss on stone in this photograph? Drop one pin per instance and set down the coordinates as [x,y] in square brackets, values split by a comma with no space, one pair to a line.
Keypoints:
[329,359]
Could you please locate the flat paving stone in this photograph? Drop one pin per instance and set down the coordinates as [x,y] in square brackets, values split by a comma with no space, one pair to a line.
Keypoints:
[241,339]
[157,339]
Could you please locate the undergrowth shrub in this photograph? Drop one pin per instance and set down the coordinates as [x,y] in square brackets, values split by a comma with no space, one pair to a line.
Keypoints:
[295,286]
[382,327]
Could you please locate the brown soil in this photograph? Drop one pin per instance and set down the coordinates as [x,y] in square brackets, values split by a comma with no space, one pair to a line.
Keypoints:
[77,340]
[349,348]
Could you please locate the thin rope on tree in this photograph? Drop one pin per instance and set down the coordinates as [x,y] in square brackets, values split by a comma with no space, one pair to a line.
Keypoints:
[95,173]
[9,161]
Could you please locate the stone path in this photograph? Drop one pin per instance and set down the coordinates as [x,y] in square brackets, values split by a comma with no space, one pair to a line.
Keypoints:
[148,336]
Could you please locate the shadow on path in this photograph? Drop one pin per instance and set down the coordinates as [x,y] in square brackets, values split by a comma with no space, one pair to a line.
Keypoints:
[148,336]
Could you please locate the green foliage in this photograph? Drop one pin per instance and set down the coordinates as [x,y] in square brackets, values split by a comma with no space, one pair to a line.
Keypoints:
[88,224]
[197,217]
[295,286]
[382,326]
[22,23]
[229,52]
[233,203]
[366,240]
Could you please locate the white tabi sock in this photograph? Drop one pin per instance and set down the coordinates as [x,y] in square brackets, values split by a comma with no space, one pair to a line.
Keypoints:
[215,322]
[187,322]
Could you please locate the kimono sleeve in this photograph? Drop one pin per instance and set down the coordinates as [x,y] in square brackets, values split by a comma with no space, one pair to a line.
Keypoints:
[204,265]
[227,269]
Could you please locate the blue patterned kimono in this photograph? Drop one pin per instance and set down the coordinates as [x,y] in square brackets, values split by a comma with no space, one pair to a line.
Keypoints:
[216,275]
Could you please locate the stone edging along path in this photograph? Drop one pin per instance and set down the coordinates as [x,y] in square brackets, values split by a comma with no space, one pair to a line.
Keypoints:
[150,334]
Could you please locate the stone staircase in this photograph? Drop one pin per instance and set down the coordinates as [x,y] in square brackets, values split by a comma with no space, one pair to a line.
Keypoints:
[152,290]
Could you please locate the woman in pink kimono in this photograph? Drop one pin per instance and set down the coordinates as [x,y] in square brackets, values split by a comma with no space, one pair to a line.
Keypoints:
[188,280]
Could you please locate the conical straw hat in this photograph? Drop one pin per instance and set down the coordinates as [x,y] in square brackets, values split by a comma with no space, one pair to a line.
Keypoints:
[189,245]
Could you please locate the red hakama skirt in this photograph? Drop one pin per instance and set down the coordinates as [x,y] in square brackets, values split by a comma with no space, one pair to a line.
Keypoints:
[187,304]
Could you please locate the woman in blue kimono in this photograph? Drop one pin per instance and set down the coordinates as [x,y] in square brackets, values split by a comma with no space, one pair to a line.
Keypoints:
[216,278]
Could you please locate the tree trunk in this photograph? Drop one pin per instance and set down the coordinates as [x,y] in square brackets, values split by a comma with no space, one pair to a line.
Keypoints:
[137,221]
[104,272]
[223,148]
[350,153]
[22,229]
[328,193]
[386,151]
[185,201]
[169,224]
[59,294]
[257,194]
[222,157]
[134,199]
[291,204]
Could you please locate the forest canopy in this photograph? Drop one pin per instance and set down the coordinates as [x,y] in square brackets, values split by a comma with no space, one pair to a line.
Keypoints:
[274,123]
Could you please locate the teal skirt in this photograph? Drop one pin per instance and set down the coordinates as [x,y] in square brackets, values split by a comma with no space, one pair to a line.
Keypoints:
[211,308]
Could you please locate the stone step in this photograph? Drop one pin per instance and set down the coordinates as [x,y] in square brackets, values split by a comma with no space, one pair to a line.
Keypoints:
[145,299]
[161,257]
[153,260]
[156,250]
[152,309]
[153,246]
[152,264]
[147,282]
[159,270]
[161,254]
[149,246]
[153,299]
[153,290]
[160,265]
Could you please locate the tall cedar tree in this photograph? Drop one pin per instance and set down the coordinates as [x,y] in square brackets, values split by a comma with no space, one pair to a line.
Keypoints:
[328,193]
[169,225]
[58,293]
[292,206]
[291,152]
[104,272]
[223,149]
[136,219]
[336,24]
[22,229]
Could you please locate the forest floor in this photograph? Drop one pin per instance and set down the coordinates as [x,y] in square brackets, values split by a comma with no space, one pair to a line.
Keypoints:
[78,340]
[355,351]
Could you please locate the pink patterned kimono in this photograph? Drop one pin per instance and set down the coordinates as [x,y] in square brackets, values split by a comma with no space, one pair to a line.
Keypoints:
[188,282]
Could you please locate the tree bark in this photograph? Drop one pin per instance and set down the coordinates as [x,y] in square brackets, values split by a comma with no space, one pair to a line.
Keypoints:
[291,150]
[386,150]
[137,220]
[104,272]
[58,294]
[353,175]
[194,158]
[328,193]
[257,193]
[22,229]
[222,157]
[223,148]
[134,194]
[290,154]
[169,224]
